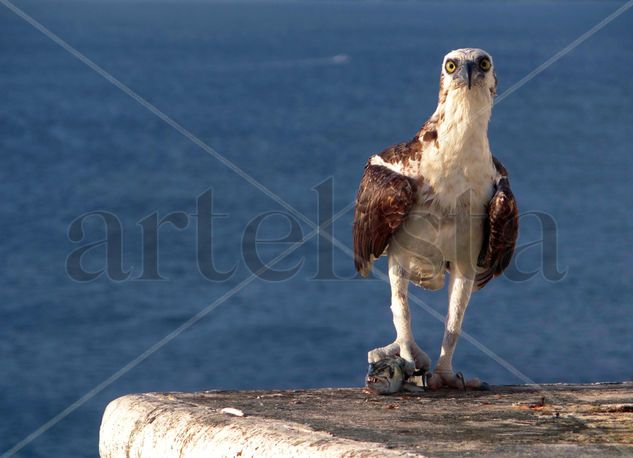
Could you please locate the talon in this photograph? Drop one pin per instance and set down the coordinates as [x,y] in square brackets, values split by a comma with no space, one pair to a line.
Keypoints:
[460,377]
[423,374]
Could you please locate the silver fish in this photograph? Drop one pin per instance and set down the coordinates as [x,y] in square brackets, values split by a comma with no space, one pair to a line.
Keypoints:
[390,375]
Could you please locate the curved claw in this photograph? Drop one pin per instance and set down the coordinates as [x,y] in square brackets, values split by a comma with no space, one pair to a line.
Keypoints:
[460,377]
[424,375]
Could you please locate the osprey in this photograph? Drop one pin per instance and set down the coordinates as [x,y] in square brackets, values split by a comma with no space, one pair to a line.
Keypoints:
[439,203]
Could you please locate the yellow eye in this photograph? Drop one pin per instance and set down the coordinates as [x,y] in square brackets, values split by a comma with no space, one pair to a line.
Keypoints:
[485,64]
[450,66]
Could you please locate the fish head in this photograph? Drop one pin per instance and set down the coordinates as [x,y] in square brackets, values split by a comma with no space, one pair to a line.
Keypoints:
[386,376]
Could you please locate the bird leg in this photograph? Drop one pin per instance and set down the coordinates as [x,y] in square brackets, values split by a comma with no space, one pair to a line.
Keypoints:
[404,345]
[460,289]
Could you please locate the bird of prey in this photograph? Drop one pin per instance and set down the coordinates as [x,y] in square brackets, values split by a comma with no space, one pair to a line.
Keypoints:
[439,203]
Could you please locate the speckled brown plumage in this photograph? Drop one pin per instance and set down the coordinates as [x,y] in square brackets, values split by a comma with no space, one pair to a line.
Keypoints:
[383,202]
[501,228]
[403,152]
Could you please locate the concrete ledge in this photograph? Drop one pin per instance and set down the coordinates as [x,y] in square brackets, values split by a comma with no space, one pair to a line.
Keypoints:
[559,420]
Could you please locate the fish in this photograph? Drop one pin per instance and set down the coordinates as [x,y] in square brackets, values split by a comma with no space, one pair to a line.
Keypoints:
[390,375]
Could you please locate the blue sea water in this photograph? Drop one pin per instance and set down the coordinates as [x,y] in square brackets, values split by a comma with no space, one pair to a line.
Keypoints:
[259,83]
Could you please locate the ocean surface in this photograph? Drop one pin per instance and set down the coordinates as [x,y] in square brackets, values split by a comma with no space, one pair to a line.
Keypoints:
[296,96]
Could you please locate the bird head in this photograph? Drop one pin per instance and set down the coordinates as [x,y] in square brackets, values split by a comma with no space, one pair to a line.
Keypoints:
[470,69]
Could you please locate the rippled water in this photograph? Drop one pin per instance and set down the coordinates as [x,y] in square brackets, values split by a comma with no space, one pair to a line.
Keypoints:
[294,94]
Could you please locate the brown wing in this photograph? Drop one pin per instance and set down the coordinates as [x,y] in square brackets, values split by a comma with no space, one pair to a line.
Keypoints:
[383,202]
[501,228]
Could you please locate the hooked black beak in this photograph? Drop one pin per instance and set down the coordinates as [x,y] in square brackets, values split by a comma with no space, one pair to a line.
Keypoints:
[469,72]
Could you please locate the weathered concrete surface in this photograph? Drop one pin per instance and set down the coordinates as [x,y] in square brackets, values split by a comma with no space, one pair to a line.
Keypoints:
[551,420]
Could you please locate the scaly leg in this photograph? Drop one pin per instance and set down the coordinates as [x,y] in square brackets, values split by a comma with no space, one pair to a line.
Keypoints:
[460,288]
[404,345]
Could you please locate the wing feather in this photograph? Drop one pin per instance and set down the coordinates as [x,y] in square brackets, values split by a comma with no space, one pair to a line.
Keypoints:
[383,202]
[501,229]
